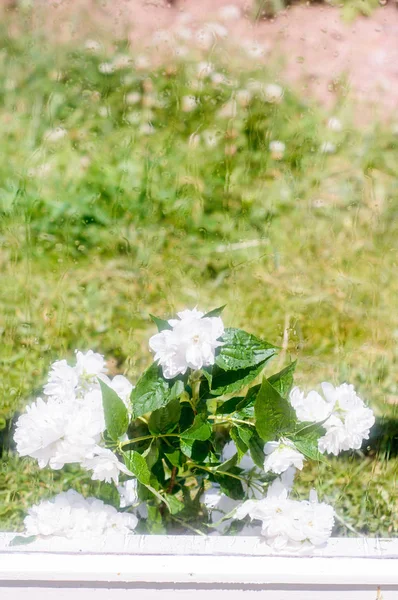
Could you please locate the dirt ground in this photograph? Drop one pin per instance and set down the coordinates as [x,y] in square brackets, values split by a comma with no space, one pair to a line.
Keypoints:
[320,51]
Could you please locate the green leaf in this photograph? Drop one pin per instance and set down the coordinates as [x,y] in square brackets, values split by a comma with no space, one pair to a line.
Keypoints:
[136,463]
[151,455]
[242,350]
[199,430]
[231,486]
[153,391]
[241,446]
[157,495]
[228,407]
[309,448]
[116,415]
[283,381]
[195,449]
[216,312]
[165,419]
[245,433]
[21,540]
[229,382]
[175,458]
[154,521]
[175,505]
[108,493]
[228,464]
[161,324]
[256,447]
[274,415]
[306,440]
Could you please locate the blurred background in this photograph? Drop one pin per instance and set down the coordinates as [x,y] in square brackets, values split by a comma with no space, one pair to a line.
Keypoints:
[157,156]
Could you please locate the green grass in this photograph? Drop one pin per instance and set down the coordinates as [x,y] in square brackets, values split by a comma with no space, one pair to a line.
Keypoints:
[117,220]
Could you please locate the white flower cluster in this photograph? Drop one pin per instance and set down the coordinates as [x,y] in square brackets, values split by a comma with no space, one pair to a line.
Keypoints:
[70,515]
[68,427]
[190,343]
[290,525]
[342,413]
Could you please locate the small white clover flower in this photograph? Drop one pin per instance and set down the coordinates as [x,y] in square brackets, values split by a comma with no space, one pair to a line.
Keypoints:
[188,103]
[106,68]
[147,129]
[254,49]
[243,97]
[204,38]
[334,124]
[133,98]
[92,45]
[191,343]
[277,149]
[204,69]
[281,456]
[230,12]
[229,110]
[328,148]
[71,515]
[54,135]
[273,93]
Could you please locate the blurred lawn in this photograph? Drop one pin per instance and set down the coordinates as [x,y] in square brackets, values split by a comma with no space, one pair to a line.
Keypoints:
[117,201]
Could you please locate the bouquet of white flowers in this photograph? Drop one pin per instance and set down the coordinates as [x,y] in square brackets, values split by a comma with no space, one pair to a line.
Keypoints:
[194,445]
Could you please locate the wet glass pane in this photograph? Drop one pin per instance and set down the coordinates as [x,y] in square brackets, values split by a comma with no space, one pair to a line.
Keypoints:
[159,157]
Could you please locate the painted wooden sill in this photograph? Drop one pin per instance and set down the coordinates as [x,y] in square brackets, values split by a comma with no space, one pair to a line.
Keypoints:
[174,566]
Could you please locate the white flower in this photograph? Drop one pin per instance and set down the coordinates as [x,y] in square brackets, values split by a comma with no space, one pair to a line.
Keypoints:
[228,110]
[89,365]
[106,68]
[204,38]
[328,148]
[342,413]
[334,124]
[92,45]
[54,135]
[277,149]
[70,515]
[312,408]
[188,103]
[282,455]
[254,49]
[56,433]
[289,524]
[66,382]
[218,30]
[211,138]
[204,69]
[62,380]
[230,12]
[105,465]
[191,343]
[273,93]
[133,98]
[243,97]
[147,129]
[128,493]
[142,62]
